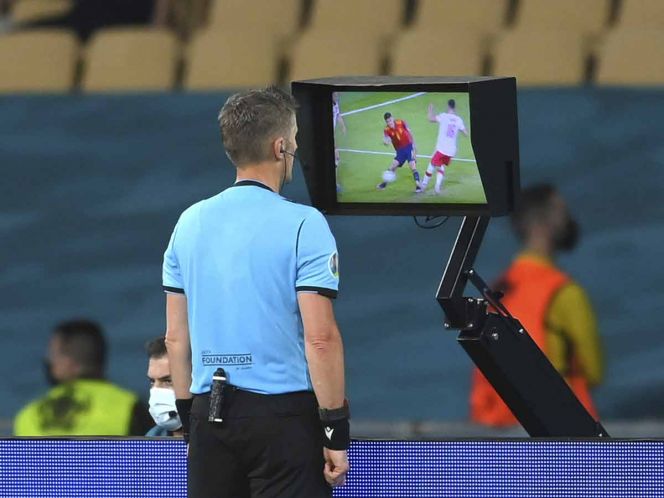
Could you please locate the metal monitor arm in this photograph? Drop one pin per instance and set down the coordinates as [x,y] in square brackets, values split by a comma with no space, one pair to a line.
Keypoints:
[503,350]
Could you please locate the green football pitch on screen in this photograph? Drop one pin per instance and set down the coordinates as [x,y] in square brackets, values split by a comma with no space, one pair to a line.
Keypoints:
[365,154]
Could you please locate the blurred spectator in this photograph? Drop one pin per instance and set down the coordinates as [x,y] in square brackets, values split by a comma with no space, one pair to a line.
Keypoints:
[162,395]
[554,309]
[86,16]
[81,402]
[5,24]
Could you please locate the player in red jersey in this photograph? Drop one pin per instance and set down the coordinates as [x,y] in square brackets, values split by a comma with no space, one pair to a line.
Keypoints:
[399,135]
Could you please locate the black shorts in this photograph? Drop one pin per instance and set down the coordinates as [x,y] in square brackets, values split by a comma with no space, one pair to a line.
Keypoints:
[267,446]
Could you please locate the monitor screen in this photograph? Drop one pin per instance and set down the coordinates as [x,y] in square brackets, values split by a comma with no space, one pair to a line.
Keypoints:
[405,147]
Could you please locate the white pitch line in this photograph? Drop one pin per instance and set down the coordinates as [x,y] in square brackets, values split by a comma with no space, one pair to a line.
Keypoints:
[389,102]
[392,153]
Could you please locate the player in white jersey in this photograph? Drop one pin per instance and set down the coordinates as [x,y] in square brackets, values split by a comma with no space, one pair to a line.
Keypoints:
[449,126]
[337,118]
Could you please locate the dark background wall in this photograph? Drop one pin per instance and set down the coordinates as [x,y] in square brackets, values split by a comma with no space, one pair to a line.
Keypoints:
[90,188]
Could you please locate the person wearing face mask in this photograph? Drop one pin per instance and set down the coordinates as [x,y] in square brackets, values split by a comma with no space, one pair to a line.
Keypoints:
[255,353]
[162,397]
[81,402]
[553,308]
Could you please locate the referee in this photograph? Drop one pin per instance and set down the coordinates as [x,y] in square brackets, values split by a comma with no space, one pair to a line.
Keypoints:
[250,278]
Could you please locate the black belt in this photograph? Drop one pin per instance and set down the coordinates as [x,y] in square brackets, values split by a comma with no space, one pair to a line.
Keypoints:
[240,403]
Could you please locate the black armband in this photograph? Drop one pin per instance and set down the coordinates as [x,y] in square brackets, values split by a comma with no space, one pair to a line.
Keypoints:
[336,427]
[184,408]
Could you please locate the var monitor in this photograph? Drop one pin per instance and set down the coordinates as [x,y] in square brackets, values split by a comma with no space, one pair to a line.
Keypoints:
[409,146]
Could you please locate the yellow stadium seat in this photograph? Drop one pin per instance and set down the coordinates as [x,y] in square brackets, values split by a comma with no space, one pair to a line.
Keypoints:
[641,14]
[486,16]
[421,53]
[231,59]
[38,61]
[280,18]
[540,57]
[588,17]
[25,11]
[371,18]
[130,59]
[632,57]
[334,53]
[187,17]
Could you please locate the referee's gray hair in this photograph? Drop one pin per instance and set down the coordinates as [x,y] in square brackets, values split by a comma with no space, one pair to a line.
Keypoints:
[251,120]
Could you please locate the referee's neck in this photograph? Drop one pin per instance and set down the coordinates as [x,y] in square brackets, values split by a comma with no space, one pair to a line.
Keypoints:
[267,173]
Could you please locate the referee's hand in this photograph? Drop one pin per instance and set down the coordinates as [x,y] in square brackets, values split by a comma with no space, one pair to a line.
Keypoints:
[336,466]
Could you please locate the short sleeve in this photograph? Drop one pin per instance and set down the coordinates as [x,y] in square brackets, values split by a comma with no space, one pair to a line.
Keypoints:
[439,118]
[572,313]
[462,127]
[171,276]
[317,258]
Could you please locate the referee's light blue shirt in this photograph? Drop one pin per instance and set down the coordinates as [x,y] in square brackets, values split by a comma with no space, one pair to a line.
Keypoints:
[241,257]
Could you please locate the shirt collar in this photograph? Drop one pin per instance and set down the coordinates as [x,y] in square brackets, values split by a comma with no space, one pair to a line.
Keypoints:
[253,183]
[535,257]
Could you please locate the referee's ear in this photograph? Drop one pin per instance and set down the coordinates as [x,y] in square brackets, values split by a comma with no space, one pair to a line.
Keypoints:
[278,147]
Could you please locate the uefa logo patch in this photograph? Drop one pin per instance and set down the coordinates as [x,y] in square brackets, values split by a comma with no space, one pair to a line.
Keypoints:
[333,265]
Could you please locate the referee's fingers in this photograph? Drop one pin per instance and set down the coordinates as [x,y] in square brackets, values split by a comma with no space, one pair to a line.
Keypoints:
[335,476]
[335,481]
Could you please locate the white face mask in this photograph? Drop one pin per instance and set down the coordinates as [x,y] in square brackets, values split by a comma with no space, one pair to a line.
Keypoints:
[163,410]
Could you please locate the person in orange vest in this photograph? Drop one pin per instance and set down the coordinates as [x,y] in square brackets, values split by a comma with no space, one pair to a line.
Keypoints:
[554,309]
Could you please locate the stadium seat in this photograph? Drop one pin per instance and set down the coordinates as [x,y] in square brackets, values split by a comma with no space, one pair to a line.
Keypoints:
[130,59]
[38,61]
[486,16]
[25,11]
[187,17]
[333,53]
[588,17]
[375,20]
[540,57]
[641,14]
[419,53]
[632,57]
[231,59]
[280,18]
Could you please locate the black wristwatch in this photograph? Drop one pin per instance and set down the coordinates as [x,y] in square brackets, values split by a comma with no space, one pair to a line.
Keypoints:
[334,414]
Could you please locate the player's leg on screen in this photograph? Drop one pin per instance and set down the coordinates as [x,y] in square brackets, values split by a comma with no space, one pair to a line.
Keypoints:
[441,161]
[416,176]
[393,167]
[336,169]
[436,162]
[440,176]
[427,176]
[412,162]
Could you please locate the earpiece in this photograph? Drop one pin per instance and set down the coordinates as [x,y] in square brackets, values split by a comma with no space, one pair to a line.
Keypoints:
[284,151]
